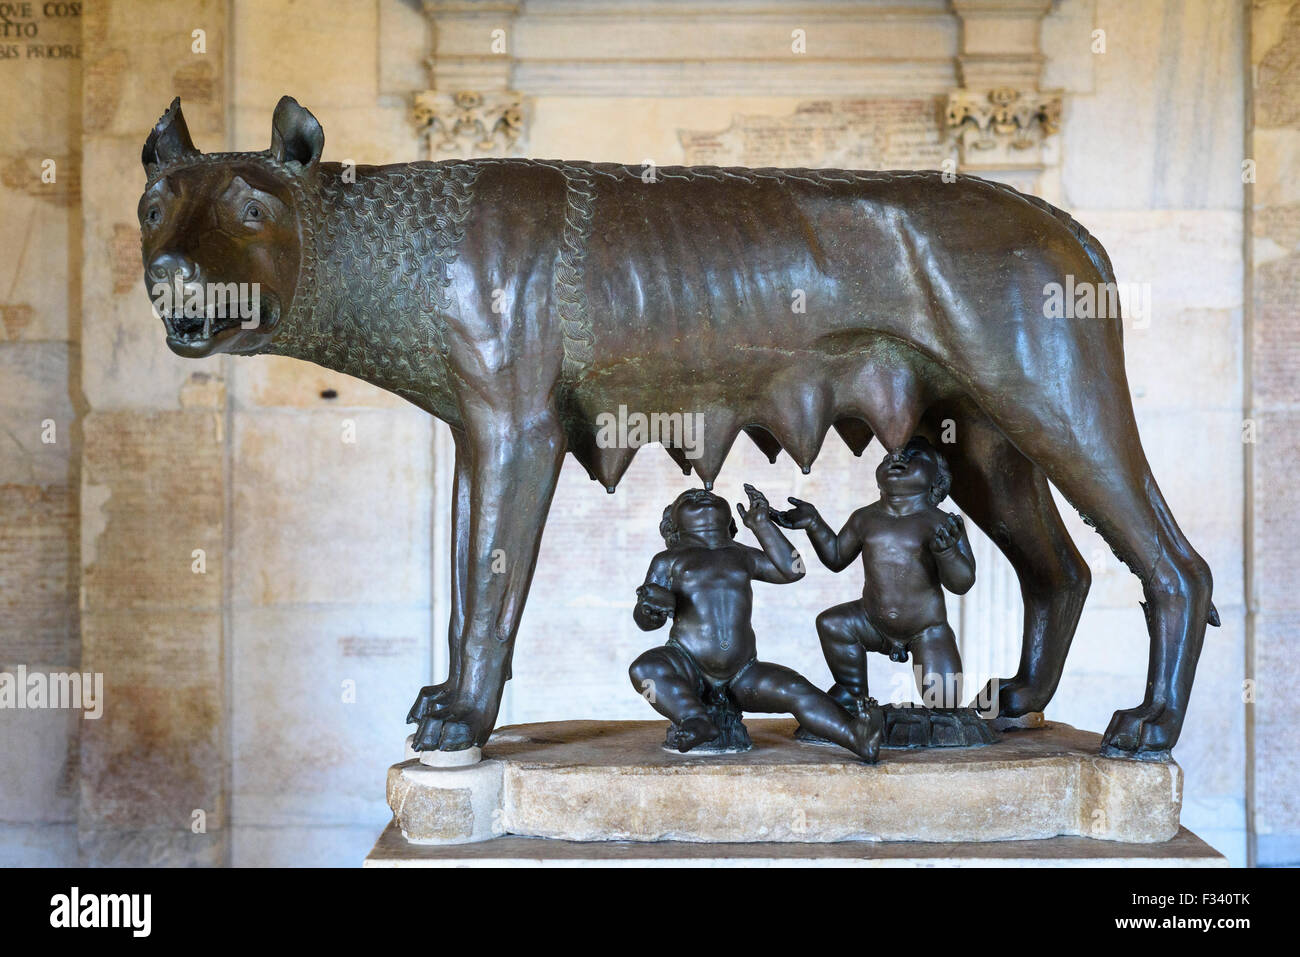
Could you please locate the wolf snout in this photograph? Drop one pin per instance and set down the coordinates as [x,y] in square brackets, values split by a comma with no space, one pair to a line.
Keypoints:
[168,267]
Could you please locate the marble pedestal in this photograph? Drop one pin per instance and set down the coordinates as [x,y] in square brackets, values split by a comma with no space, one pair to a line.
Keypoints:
[611,781]
[1185,850]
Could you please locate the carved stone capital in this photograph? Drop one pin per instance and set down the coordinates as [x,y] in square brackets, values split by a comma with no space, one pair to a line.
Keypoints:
[1002,119]
[470,123]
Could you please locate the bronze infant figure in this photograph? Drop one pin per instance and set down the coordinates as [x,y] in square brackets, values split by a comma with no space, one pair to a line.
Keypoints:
[911,551]
[709,668]
[518,300]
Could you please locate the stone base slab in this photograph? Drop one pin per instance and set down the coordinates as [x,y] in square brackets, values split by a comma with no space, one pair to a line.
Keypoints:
[612,781]
[448,805]
[1185,850]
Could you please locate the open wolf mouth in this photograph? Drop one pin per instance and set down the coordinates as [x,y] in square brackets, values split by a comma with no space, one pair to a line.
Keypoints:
[197,329]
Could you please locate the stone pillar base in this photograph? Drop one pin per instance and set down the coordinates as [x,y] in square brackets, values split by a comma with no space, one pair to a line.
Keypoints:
[612,781]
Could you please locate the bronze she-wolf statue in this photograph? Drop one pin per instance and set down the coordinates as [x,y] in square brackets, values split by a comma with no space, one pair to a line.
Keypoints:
[517,300]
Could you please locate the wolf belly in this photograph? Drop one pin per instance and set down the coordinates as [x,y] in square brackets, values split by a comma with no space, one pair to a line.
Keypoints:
[733,296]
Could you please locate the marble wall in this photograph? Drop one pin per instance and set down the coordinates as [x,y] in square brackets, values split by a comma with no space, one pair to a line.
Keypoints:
[155,469]
[331,540]
[1273,408]
[268,690]
[1151,158]
[40,332]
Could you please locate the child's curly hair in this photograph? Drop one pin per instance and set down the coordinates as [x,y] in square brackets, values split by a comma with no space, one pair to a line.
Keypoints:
[668,525]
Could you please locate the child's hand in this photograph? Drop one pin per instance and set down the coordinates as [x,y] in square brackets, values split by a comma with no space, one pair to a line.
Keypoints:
[948,534]
[656,600]
[759,511]
[803,515]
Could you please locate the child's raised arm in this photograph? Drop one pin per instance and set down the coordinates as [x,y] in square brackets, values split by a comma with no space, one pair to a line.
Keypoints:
[778,562]
[835,551]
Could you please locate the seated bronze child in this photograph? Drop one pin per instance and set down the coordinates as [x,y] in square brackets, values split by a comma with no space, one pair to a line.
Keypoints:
[911,550]
[709,666]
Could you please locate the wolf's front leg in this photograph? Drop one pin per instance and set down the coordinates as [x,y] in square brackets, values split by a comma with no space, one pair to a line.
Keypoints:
[432,695]
[512,472]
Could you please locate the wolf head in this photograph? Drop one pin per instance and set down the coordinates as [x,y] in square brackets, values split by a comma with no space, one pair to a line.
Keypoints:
[227,237]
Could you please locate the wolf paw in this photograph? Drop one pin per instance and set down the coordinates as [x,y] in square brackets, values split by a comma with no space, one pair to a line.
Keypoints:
[430,698]
[450,727]
[1149,730]
[1015,697]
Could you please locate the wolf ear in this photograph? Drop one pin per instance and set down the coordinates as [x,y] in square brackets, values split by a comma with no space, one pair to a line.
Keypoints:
[296,136]
[168,140]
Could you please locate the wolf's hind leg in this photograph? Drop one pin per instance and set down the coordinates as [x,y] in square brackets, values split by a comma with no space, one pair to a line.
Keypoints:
[1009,498]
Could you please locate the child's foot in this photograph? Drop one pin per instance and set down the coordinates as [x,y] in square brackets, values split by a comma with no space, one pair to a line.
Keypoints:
[866,733]
[693,731]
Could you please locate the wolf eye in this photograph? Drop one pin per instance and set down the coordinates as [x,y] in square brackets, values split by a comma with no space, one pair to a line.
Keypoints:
[154,216]
[255,212]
